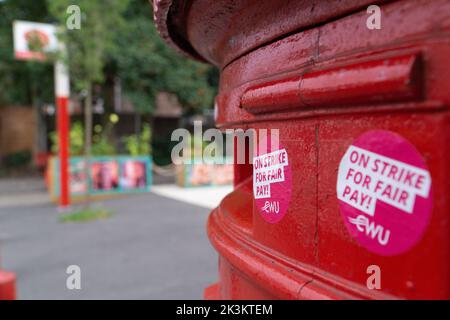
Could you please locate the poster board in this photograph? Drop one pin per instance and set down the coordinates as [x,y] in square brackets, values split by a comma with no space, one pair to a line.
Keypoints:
[33,39]
[199,173]
[108,175]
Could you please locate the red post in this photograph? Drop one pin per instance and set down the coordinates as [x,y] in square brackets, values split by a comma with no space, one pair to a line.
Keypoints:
[62,118]
[62,93]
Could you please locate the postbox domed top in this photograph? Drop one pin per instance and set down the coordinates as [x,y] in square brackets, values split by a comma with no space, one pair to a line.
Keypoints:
[165,14]
[220,31]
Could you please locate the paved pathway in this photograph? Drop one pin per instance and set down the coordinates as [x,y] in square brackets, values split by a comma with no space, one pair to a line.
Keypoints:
[153,247]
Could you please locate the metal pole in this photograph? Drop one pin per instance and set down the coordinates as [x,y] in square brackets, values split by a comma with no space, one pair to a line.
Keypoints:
[62,92]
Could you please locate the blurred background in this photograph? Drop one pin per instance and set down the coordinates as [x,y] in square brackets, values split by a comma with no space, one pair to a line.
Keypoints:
[136,222]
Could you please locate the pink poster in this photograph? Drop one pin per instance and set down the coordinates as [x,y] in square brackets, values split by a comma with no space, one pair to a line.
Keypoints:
[385,192]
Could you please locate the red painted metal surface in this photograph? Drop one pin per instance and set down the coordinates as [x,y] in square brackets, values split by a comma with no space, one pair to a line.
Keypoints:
[7,285]
[273,96]
[63,138]
[323,80]
[221,31]
[384,80]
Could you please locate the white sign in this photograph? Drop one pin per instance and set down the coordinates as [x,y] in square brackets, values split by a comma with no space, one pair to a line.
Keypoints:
[33,39]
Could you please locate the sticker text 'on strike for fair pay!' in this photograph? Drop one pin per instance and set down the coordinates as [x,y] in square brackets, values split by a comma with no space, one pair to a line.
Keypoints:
[268,169]
[365,177]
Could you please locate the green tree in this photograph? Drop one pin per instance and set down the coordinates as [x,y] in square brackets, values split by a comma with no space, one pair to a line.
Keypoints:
[139,145]
[146,65]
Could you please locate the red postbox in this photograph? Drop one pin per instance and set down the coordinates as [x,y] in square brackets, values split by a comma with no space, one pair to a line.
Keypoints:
[7,285]
[364,128]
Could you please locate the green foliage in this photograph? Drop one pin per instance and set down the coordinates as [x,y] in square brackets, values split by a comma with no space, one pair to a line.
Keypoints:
[86,215]
[138,145]
[100,147]
[76,138]
[90,46]
[147,65]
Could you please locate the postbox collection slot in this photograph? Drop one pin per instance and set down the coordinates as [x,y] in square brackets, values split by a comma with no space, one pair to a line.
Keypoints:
[396,79]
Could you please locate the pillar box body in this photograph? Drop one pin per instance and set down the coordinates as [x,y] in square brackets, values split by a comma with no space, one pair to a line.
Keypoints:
[7,285]
[363,117]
